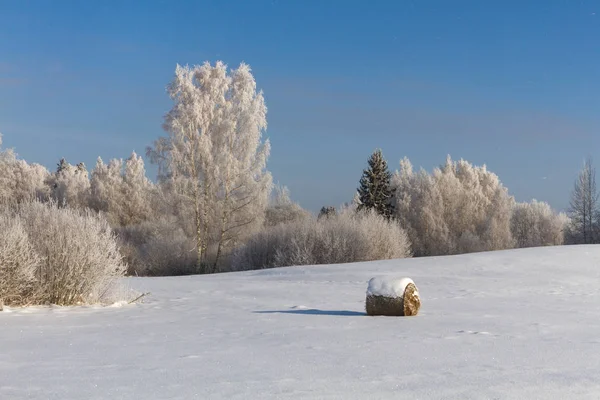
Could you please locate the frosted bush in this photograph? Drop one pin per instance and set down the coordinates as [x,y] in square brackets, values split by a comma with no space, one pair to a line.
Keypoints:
[170,255]
[79,256]
[18,262]
[158,248]
[283,214]
[282,210]
[349,237]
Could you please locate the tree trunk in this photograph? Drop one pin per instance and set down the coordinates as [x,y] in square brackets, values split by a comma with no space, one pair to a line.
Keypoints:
[224,221]
[205,241]
[199,241]
[219,249]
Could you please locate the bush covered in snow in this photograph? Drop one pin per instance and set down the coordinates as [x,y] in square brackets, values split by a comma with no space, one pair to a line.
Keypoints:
[56,255]
[158,248]
[282,210]
[536,224]
[349,237]
[18,261]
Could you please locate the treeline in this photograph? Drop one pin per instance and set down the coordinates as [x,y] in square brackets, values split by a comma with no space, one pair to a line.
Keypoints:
[213,206]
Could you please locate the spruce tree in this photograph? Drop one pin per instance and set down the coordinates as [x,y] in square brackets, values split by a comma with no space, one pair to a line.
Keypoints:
[375,191]
[327,212]
[61,166]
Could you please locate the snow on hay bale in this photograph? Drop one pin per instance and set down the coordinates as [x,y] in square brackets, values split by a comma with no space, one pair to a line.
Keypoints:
[392,297]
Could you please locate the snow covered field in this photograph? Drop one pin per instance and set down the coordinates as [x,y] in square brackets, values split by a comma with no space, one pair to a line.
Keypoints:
[522,324]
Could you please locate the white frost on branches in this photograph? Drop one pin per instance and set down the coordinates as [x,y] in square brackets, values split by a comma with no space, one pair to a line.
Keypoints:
[459,208]
[214,156]
[121,190]
[20,181]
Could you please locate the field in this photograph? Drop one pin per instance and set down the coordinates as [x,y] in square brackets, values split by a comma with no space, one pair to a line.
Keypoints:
[519,324]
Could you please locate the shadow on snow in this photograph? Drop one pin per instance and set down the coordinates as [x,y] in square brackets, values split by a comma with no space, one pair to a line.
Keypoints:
[335,313]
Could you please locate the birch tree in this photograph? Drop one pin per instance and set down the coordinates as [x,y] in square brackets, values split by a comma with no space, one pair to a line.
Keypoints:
[214,156]
[583,209]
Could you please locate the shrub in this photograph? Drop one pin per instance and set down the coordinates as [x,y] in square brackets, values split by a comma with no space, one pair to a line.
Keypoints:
[18,262]
[158,248]
[282,210]
[284,214]
[349,237]
[79,258]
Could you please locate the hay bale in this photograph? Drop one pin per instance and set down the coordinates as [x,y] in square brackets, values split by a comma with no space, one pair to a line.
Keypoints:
[392,297]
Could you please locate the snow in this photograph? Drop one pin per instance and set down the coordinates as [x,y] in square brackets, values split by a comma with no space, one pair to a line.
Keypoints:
[519,324]
[388,287]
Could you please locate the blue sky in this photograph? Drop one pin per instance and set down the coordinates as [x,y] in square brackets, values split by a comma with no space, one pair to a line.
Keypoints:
[512,84]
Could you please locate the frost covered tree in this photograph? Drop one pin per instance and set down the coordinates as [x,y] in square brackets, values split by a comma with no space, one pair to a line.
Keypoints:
[105,186]
[214,156]
[137,189]
[62,165]
[70,185]
[375,191]
[536,224]
[477,207]
[282,210]
[355,203]
[459,208]
[122,190]
[327,212]
[20,181]
[418,209]
[583,209]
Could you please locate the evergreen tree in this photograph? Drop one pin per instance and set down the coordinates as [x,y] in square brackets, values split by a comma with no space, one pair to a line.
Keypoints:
[375,191]
[327,212]
[61,166]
